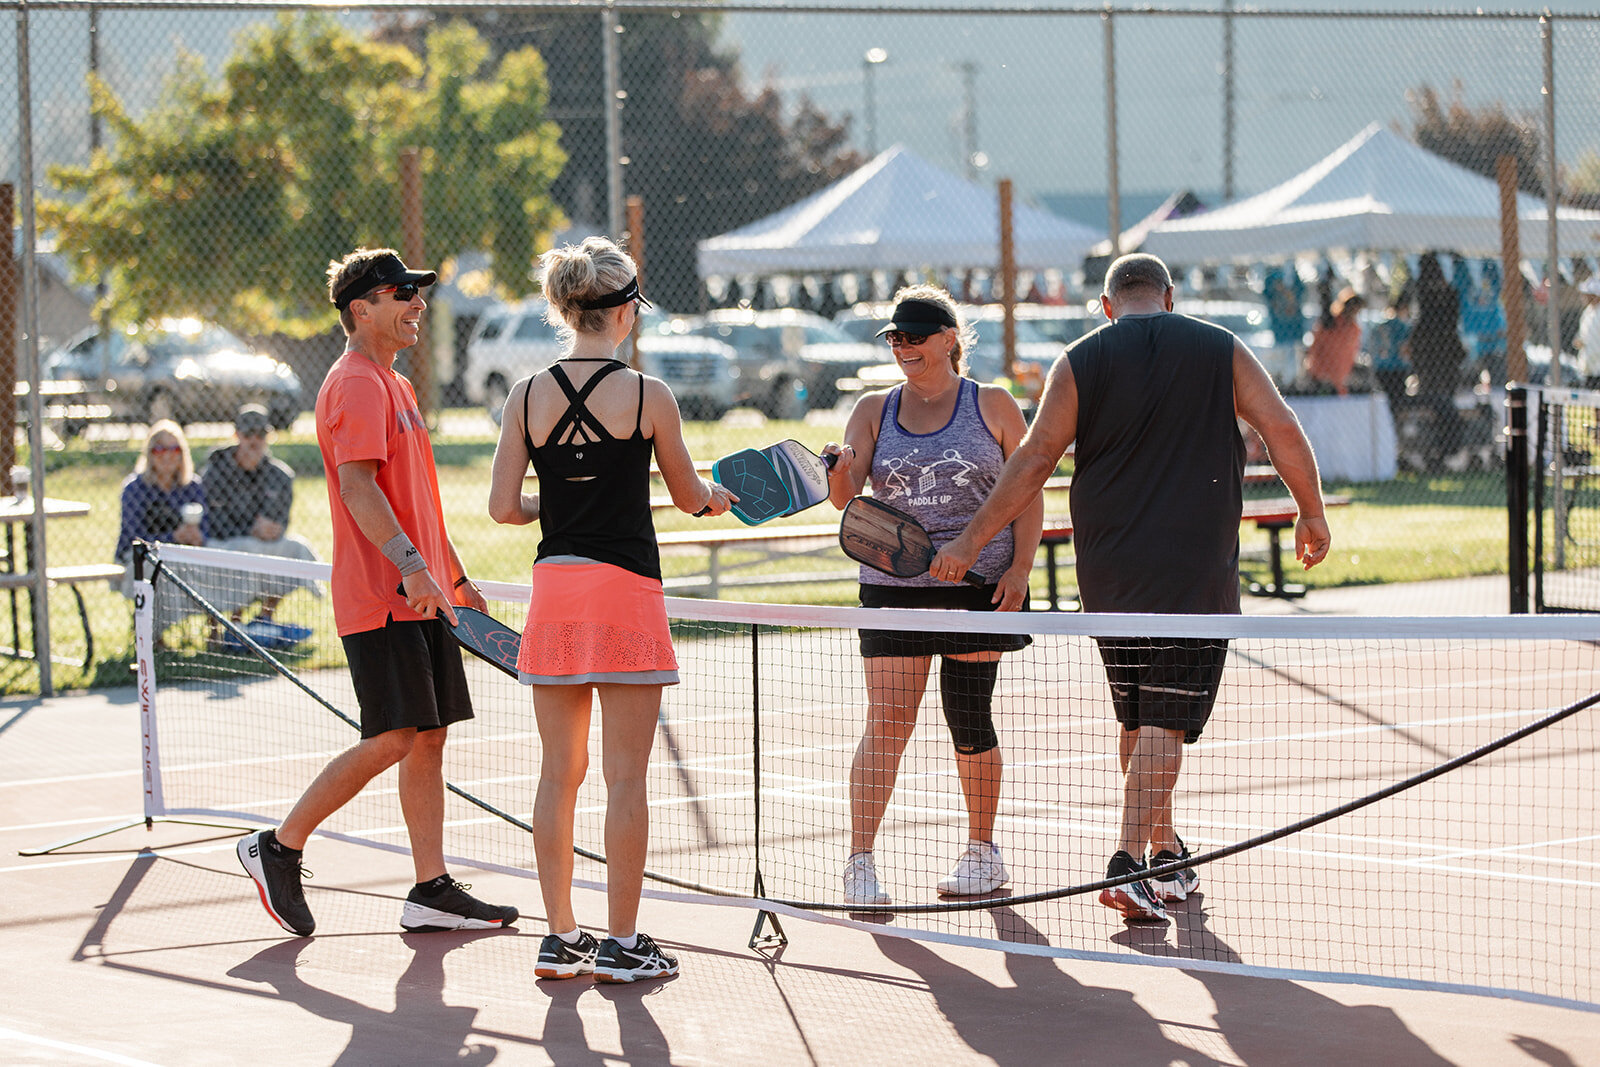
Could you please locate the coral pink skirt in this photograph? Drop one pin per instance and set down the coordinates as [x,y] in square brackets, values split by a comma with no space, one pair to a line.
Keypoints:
[593,623]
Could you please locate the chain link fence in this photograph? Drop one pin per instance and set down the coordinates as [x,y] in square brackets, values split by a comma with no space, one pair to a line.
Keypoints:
[183,172]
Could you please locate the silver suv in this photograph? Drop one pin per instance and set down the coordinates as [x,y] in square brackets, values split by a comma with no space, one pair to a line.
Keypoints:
[512,341]
[789,360]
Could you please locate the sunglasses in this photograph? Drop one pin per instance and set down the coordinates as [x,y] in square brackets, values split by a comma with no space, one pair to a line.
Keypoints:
[897,338]
[165,448]
[403,293]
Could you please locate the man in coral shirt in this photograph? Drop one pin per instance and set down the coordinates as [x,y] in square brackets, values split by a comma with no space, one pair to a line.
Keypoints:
[394,575]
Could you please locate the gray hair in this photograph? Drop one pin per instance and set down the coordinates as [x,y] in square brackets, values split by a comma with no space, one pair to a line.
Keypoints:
[1137,270]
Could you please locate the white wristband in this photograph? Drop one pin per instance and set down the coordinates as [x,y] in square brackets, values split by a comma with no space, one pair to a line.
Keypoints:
[403,554]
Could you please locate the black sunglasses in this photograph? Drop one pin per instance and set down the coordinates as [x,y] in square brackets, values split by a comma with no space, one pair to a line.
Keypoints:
[900,337]
[403,293]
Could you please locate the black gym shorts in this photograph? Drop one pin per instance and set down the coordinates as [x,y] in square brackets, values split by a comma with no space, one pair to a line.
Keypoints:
[1170,682]
[922,643]
[407,674]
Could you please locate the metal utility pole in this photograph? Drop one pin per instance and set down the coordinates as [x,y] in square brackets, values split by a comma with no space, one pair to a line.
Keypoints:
[969,117]
[1227,101]
[869,62]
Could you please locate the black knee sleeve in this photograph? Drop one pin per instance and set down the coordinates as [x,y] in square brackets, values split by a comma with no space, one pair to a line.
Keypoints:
[968,691]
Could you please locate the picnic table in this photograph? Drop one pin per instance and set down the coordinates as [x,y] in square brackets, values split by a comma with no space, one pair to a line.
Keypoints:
[1274,516]
[17,568]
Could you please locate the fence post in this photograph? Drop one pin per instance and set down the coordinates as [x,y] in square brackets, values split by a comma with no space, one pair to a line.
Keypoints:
[1517,495]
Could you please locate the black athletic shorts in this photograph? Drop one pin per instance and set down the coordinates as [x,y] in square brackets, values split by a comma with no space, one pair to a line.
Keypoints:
[1170,682]
[407,674]
[919,643]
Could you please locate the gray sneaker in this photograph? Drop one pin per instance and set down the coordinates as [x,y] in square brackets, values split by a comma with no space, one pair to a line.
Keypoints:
[861,881]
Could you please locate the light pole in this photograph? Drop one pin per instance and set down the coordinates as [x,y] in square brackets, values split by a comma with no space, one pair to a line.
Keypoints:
[969,118]
[869,62]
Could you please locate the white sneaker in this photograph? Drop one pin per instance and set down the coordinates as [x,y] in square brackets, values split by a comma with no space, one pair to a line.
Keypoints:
[979,870]
[861,881]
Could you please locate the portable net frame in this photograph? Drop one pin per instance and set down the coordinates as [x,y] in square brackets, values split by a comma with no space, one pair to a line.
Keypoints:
[1554,497]
[1398,801]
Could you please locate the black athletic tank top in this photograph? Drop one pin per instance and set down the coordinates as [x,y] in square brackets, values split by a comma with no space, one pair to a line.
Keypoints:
[1158,477]
[605,517]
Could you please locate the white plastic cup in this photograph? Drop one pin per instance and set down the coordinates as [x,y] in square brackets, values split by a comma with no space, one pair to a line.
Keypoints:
[192,513]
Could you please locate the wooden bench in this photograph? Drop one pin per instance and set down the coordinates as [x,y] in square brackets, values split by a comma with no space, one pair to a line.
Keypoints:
[768,542]
[80,574]
[1274,516]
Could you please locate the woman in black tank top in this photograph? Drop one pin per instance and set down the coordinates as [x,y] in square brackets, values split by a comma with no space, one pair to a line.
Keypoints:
[597,621]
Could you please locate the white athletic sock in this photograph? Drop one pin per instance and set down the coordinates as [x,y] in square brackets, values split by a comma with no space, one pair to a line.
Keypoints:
[630,942]
[571,937]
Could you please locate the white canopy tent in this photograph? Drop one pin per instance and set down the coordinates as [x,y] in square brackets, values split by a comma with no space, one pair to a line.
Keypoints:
[896,212]
[1378,192]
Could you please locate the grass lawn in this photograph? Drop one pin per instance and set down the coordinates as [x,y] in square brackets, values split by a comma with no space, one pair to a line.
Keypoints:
[1409,529]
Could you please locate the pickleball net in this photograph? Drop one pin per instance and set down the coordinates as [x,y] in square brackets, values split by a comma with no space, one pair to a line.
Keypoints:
[1390,800]
[1554,497]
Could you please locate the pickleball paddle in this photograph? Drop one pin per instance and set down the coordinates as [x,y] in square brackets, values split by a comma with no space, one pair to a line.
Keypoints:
[483,635]
[889,540]
[773,482]
[487,638]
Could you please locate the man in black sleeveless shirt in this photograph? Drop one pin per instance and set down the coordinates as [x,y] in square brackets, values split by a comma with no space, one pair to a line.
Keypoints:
[1152,401]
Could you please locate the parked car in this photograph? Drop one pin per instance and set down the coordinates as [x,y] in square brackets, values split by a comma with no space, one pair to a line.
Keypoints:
[984,360]
[789,360]
[512,341]
[1062,323]
[1058,323]
[179,369]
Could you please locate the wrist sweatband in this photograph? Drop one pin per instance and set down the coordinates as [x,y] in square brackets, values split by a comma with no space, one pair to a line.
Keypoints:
[403,554]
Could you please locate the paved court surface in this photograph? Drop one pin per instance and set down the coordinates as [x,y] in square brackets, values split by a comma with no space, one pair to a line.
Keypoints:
[117,955]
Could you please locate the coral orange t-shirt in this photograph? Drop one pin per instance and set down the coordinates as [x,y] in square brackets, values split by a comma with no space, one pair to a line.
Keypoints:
[368,412]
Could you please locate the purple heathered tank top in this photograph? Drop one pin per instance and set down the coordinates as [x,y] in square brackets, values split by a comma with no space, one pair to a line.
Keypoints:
[941,478]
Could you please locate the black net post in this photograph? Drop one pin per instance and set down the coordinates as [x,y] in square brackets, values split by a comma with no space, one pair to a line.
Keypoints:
[777,938]
[1517,495]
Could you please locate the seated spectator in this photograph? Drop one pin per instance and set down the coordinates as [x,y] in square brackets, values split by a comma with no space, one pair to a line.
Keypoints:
[162,500]
[251,492]
[1335,343]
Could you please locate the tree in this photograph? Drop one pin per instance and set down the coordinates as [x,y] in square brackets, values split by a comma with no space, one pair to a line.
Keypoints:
[1477,139]
[705,155]
[226,199]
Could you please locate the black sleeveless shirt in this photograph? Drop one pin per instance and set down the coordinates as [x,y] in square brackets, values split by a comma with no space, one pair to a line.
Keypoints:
[1158,477]
[605,517]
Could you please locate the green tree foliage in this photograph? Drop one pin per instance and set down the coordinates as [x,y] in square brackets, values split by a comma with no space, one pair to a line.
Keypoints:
[704,154]
[227,198]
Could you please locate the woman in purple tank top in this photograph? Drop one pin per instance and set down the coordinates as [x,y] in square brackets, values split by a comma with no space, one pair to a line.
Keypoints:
[934,447]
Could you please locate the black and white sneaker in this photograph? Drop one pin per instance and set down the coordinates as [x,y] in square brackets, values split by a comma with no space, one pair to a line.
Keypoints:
[1135,900]
[1179,884]
[453,908]
[276,872]
[557,959]
[644,960]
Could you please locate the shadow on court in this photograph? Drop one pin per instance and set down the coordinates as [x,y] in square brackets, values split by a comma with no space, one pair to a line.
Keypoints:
[1299,1015]
[1043,1011]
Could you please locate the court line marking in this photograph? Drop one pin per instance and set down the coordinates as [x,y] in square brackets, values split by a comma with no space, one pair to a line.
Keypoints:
[67,1046]
[708,761]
